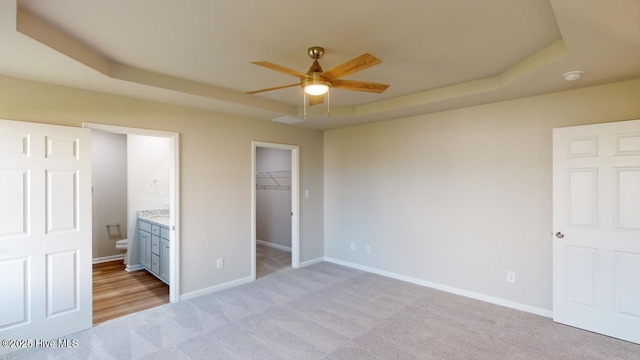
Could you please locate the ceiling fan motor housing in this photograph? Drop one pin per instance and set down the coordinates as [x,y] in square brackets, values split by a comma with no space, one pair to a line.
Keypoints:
[315,52]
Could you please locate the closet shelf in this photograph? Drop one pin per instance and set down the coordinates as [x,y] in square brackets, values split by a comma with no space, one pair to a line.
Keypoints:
[273,180]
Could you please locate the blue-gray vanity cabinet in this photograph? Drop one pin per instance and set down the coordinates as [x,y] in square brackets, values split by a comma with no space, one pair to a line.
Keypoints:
[154,248]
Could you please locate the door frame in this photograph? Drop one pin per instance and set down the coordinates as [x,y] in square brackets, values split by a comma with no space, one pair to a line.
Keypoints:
[295,201]
[174,194]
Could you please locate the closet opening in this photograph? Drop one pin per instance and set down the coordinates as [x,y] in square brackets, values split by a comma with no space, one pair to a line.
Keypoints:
[275,218]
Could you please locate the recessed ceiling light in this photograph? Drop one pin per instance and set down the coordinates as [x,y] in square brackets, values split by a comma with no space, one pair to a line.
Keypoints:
[573,75]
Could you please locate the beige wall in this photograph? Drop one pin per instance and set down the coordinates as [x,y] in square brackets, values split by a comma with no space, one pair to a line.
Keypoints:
[456,197]
[215,169]
[459,197]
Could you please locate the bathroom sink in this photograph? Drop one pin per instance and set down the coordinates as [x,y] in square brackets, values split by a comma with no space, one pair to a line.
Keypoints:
[160,216]
[160,220]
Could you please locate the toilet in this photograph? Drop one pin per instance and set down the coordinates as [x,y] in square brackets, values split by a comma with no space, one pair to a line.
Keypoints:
[123,245]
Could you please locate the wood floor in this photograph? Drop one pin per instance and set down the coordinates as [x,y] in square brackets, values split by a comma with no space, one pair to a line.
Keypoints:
[270,260]
[117,292]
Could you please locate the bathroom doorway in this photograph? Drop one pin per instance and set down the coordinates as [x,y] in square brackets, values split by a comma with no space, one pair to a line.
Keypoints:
[140,198]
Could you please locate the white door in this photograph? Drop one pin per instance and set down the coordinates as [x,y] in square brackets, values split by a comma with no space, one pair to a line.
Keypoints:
[596,221]
[45,232]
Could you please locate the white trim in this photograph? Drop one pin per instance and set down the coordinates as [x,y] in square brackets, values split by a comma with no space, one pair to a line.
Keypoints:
[446,288]
[128,130]
[174,197]
[312,261]
[174,219]
[134,267]
[273,245]
[212,289]
[295,201]
[107,258]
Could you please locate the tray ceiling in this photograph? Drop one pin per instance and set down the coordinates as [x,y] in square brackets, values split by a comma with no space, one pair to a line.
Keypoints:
[437,55]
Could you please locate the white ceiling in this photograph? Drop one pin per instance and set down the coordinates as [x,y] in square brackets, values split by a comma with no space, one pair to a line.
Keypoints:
[437,54]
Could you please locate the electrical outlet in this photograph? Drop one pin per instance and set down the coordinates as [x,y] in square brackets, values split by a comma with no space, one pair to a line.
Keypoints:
[511,276]
[367,249]
[353,246]
[220,263]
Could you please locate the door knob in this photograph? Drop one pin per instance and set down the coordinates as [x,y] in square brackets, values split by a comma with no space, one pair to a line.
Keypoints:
[559,235]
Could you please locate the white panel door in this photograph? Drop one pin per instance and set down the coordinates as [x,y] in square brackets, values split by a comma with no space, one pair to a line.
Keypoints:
[596,220]
[45,231]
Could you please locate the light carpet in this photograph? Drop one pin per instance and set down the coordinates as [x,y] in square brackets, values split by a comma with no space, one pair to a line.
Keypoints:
[326,311]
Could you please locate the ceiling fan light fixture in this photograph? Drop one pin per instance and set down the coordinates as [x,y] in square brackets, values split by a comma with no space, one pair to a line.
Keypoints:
[316,86]
[316,89]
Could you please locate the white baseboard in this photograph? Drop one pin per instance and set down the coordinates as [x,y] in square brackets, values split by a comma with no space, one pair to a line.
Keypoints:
[108,258]
[272,245]
[212,289]
[446,288]
[134,267]
[312,261]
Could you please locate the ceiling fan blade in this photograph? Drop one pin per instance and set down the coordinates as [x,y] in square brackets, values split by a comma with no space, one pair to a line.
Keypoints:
[315,99]
[358,63]
[281,69]
[359,86]
[272,88]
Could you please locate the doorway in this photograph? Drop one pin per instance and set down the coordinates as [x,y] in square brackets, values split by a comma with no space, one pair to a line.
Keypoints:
[172,201]
[116,161]
[273,181]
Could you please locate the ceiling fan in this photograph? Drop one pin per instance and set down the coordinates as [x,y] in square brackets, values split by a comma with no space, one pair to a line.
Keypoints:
[316,82]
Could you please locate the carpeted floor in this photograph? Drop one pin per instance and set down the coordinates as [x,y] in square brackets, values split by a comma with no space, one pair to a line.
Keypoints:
[326,311]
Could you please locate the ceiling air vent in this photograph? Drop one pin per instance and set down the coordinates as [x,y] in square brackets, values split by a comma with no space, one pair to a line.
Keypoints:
[288,120]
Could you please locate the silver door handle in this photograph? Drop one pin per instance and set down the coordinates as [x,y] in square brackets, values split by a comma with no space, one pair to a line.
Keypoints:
[559,235]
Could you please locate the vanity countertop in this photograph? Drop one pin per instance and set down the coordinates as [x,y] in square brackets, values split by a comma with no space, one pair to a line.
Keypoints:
[159,217]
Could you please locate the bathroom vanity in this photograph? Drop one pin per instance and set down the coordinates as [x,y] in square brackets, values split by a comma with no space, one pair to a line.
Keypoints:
[154,242]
